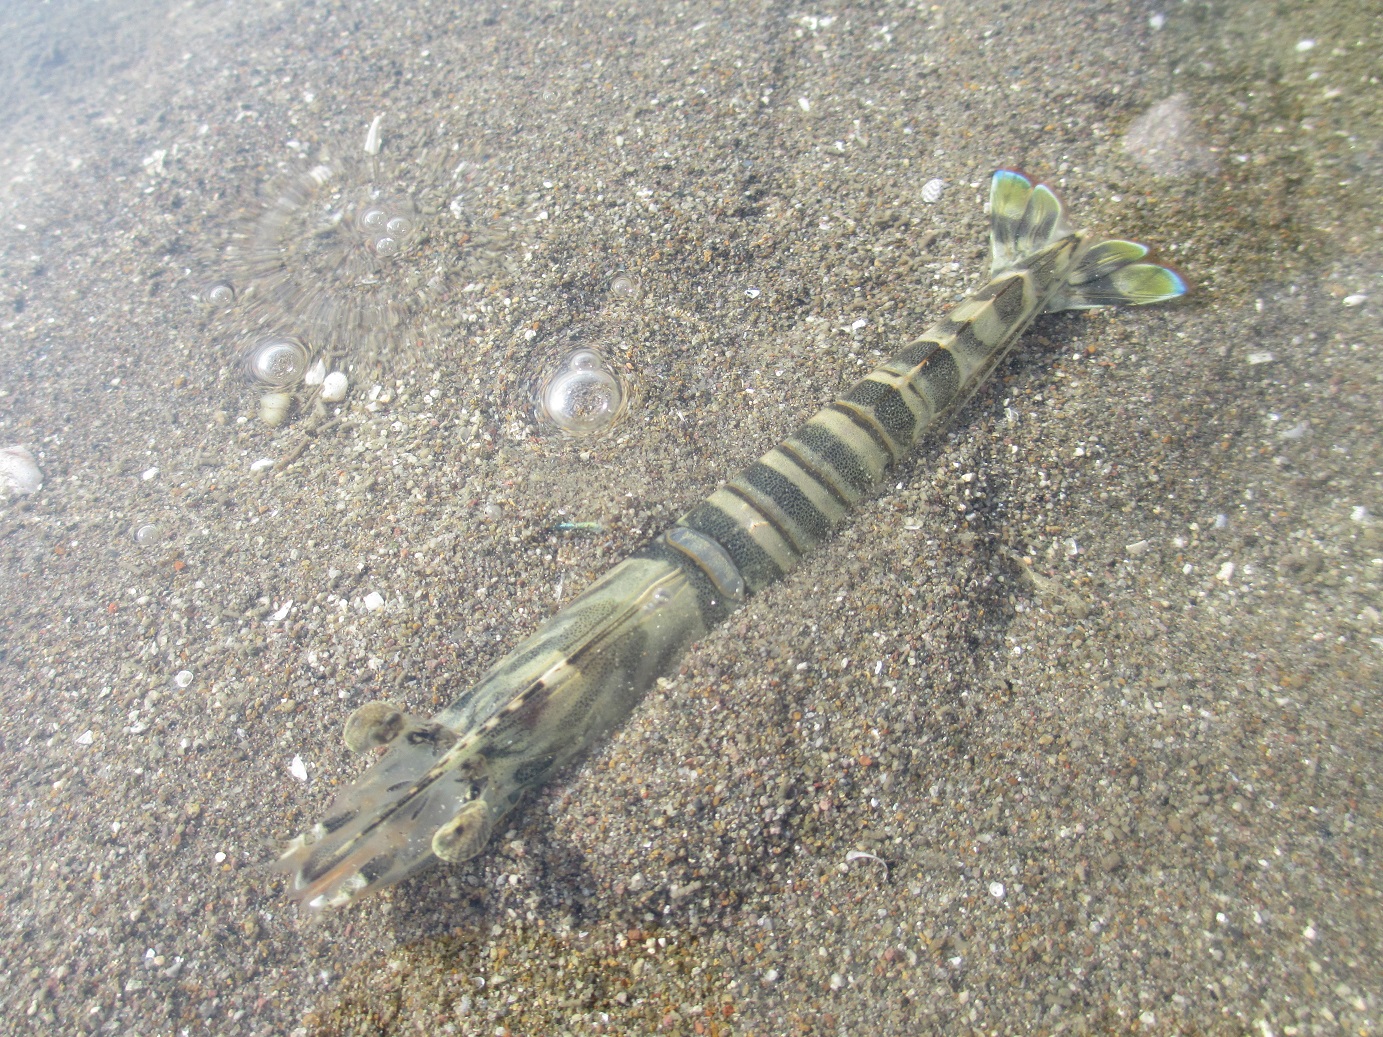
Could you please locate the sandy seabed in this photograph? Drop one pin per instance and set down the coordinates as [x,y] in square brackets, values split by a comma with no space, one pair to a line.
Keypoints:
[1093,684]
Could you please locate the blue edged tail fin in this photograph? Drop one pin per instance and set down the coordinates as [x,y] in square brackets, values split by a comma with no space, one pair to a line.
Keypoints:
[1025,219]
[1028,217]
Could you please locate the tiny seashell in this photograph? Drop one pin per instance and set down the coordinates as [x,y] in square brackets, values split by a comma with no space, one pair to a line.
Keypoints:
[932,191]
[315,373]
[373,138]
[334,387]
[1354,300]
[18,471]
[274,407]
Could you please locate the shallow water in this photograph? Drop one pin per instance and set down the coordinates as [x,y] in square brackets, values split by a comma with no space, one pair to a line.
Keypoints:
[1095,679]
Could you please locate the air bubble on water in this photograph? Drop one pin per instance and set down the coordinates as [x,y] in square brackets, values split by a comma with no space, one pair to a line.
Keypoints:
[387,226]
[276,362]
[581,394]
[218,294]
[336,255]
[372,218]
[624,285]
[146,533]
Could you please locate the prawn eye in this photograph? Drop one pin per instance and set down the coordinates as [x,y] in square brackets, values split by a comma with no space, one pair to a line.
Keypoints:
[374,725]
[464,835]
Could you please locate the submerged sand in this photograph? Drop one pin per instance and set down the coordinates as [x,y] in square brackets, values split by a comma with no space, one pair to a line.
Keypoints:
[1092,685]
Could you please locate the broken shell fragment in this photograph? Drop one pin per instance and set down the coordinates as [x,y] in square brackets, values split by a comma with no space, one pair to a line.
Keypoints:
[334,387]
[18,471]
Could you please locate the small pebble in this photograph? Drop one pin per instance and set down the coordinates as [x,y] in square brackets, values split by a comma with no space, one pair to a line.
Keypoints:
[334,387]
[297,768]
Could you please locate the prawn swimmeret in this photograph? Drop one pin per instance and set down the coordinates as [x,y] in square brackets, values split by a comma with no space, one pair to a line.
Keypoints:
[443,784]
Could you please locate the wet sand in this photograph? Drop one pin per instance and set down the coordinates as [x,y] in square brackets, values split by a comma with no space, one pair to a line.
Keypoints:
[1093,683]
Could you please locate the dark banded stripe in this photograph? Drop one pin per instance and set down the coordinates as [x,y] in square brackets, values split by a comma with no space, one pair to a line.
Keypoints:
[754,563]
[805,460]
[766,533]
[864,420]
[769,512]
[885,401]
[970,350]
[794,502]
[1009,297]
[938,381]
[910,356]
[837,455]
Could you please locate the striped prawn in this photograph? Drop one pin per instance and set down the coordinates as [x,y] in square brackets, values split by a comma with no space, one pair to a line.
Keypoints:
[443,784]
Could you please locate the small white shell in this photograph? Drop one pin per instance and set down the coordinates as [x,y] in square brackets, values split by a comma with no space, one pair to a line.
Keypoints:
[18,472]
[932,191]
[334,387]
[274,407]
[316,372]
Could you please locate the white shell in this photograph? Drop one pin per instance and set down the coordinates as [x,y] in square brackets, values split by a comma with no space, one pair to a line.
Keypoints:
[334,387]
[316,372]
[932,191]
[274,406]
[18,472]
